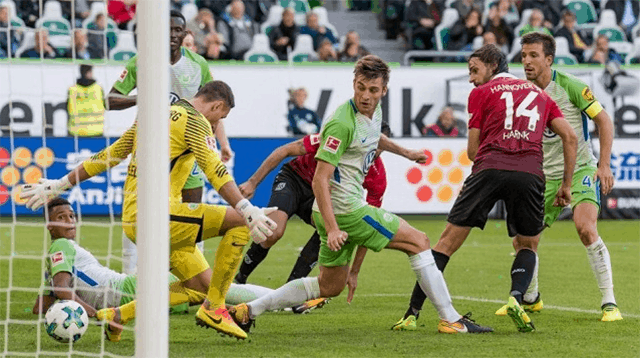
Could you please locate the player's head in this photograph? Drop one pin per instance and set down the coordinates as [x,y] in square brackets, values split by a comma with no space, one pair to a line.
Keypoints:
[62,219]
[538,52]
[371,76]
[486,62]
[214,100]
[177,32]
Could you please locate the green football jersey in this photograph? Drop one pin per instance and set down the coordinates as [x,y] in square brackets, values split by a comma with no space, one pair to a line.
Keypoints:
[349,140]
[577,103]
[187,76]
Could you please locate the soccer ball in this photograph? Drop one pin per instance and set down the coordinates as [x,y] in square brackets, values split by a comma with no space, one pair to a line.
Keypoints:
[66,321]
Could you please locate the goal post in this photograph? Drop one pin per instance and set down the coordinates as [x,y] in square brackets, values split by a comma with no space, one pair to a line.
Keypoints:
[152,327]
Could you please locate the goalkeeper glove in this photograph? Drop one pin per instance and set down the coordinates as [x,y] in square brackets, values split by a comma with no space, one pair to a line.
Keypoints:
[38,194]
[260,226]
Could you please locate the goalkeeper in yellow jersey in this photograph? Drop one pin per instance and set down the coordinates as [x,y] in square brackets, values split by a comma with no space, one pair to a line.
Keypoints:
[191,140]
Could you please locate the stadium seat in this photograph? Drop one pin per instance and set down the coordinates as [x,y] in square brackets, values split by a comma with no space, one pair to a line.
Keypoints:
[260,50]
[303,49]
[635,31]
[96,8]
[635,54]
[59,27]
[583,9]
[125,49]
[477,42]
[449,17]
[623,48]
[28,41]
[273,19]
[16,21]
[524,19]
[449,3]
[323,19]
[189,11]
[609,27]
[52,8]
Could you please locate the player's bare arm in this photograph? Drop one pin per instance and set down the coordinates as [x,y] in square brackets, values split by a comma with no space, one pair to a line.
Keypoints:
[569,147]
[352,280]
[62,290]
[320,185]
[473,143]
[605,131]
[388,145]
[292,149]
[117,101]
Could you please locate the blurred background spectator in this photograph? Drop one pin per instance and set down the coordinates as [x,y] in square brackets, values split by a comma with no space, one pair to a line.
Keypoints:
[627,13]
[189,41]
[423,16]
[302,120]
[489,38]
[464,31]
[42,47]
[96,36]
[465,6]
[445,126]
[214,47]
[85,105]
[551,10]
[8,40]
[603,53]
[352,50]
[29,11]
[536,23]
[79,45]
[498,25]
[578,42]
[282,38]
[326,52]
[317,32]
[509,12]
[237,29]
[201,26]
[122,11]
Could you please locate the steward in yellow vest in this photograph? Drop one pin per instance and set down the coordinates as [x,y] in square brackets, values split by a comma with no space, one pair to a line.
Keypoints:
[85,105]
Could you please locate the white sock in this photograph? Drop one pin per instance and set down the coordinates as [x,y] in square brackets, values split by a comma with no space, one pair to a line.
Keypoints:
[245,293]
[600,262]
[129,256]
[290,294]
[532,292]
[432,283]
[200,245]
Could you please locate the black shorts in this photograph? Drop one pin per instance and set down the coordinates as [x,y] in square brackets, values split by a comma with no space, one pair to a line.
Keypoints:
[523,195]
[291,194]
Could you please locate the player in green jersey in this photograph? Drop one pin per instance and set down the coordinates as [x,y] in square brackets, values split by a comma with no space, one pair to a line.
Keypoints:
[578,104]
[344,220]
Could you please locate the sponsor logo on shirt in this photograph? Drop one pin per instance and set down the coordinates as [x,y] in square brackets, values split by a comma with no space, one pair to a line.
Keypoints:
[192,206]
[332,144]
[123,75]
[280,186]
[211,143]
[587,94]
[57,258]
[314,139]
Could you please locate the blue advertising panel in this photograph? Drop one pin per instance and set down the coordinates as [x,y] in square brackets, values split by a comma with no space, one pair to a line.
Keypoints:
[29,159]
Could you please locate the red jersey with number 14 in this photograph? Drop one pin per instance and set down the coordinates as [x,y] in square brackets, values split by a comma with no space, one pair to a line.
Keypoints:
[305,166]
[512,115]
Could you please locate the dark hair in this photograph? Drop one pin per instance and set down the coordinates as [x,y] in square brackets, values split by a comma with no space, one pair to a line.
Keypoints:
[84,69]
[548,42]
[178,14]
[55,202]
[372,67]
[490,54]
[386,130]
[569,13]
[216,91]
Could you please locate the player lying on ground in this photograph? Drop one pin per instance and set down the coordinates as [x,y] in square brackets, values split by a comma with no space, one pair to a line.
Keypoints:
[73,273]
[191,138]
[508,118]
[576,101]
[349,139]
[291,193]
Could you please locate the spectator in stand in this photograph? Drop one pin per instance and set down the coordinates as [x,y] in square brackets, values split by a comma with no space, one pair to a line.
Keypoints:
[302,120]
[577,41]
[317,32]
[464,6]
[201,26]
[189,41]
[627,13]
[214,47]
[81,45]
[424,16]
[42,47]
[603,53]
[464,31]
[80,7]
[326,52]
[28,11]
[509,12]
[352,50]
[283,36]
[217,7]
[489,38]
[536,23]
[8,41]
[500,28]
[551,11]
[237,29]
[445,126]
[122,11]
[96,36]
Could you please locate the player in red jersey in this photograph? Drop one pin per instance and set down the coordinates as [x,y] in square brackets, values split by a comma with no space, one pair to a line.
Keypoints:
[291,193]
[508,117]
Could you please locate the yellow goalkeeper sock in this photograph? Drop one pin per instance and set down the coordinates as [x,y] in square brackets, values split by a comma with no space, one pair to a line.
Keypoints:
[179,294]
[228,257]
[127,312]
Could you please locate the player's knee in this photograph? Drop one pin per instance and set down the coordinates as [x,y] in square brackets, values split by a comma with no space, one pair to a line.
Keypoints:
[587,232]
[331,290]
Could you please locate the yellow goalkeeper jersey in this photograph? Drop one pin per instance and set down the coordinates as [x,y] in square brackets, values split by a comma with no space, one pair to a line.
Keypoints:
[191,139]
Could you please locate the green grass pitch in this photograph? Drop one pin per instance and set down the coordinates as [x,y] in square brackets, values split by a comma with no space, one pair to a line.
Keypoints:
[478,278]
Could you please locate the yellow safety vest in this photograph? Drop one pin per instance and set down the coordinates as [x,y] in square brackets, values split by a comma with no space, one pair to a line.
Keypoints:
[86,110]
